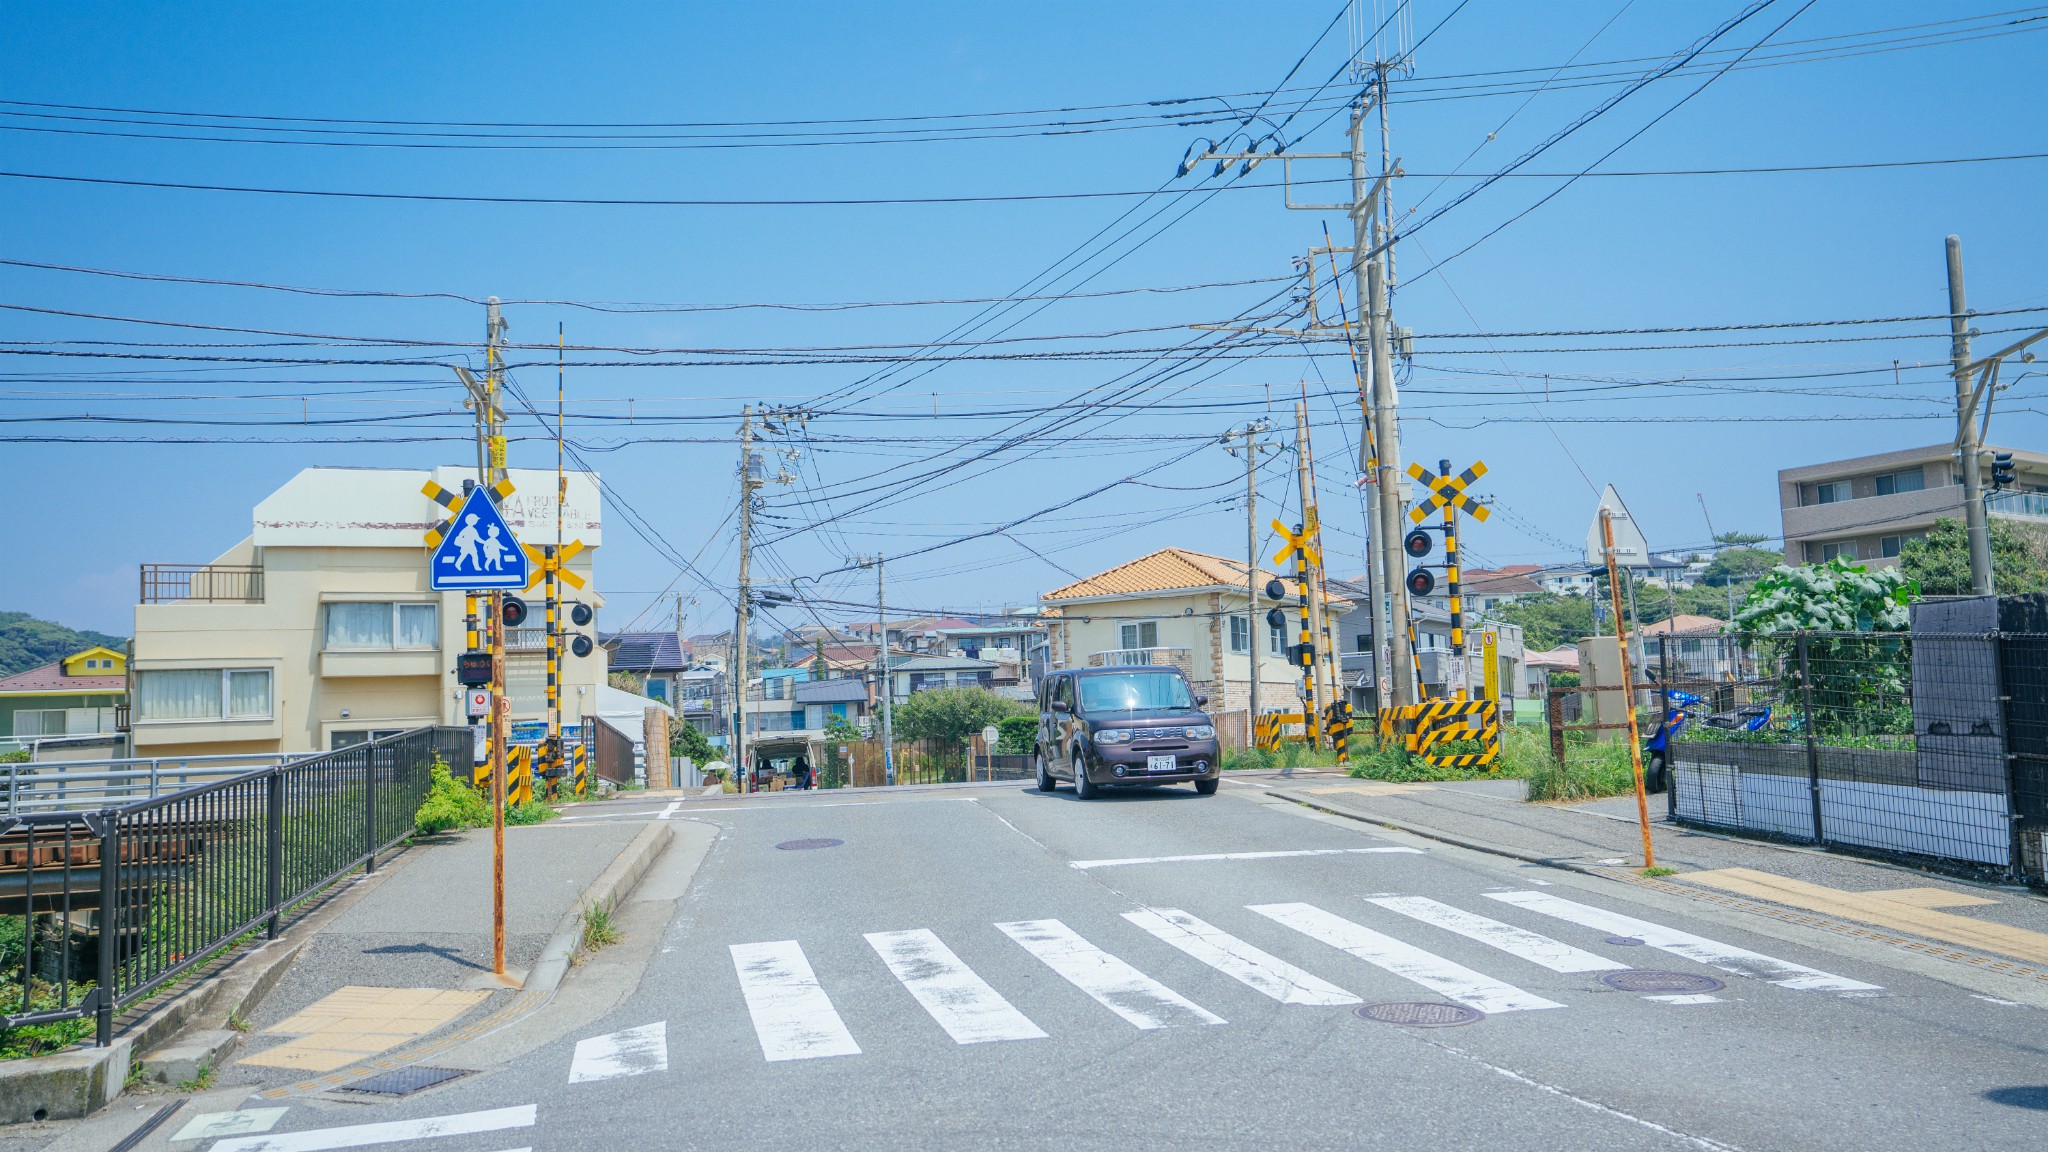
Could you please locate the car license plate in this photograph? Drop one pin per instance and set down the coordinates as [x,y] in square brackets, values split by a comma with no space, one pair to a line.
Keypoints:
[1159,764]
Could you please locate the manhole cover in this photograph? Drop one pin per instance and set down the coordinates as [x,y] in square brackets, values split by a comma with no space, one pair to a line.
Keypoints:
[814,842]
[405,1081]
[1421,1013]
[1636,980]
[1625,941]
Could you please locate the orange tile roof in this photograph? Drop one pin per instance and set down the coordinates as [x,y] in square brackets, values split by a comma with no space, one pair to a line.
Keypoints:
[1167,570]
[1682,623]
[50,678]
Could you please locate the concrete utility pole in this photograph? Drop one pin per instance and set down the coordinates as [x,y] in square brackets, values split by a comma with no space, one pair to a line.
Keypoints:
[1369,265]
[1249,436]
[888,689]
[1968,450]
[752,477]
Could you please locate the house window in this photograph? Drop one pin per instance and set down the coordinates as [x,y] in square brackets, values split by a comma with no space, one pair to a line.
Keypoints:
[1276,640]
[774,688]
[1689,647]
[204,694]
[353,736]
[1240,633]
[375,624]
[1364,642]
[1144,635]
[1830,551]
[1888,545]
[39,722]
[1913,480]
[1831,492]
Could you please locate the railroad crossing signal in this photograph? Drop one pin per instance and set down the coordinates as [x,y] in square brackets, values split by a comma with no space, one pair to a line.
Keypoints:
[558,563]
[1448,490]
[1298,542]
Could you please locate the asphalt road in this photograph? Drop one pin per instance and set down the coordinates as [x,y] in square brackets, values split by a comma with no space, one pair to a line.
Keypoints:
[1008,998]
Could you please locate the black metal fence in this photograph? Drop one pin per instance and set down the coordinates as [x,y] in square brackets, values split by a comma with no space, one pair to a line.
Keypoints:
[115,904]
[1886,743]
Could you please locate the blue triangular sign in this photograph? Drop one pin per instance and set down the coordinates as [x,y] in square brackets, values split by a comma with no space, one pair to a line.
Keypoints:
[478,551]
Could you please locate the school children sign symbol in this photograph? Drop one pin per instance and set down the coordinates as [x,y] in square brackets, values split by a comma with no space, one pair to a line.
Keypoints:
[477,551]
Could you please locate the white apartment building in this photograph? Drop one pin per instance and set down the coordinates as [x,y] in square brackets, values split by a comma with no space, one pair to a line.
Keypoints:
[318,629]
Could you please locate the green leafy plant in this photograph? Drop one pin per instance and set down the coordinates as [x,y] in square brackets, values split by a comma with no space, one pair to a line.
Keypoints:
[39,1039]
[1940,560]
[1589,772]
[1019,735]
[200,1083]
[686,740]
[598,928]
[531,812]
[238,1022]
[450,804]
[1838,596]
[1656,870]
[839,732]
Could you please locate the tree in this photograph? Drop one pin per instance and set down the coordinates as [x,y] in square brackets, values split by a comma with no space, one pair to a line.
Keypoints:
[1940,561]
[1850,684]
[838,733]
[624,682]
[819,669]
[951,714]
[1738,539]
[1547,620]
[686,740]
[1740,564]
[26,642]
[1020,734]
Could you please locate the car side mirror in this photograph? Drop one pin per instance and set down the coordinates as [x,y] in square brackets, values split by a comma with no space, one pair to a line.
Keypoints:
[1060,706]
[1201,701]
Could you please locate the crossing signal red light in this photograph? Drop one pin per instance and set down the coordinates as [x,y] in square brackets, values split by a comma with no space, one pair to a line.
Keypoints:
[580,645]
[580,615]
[1417,543]
[515,612]
[1421,582]
[1275,589]
[1276,618]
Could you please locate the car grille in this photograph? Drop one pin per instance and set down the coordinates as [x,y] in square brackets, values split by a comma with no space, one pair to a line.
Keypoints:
[1159,734]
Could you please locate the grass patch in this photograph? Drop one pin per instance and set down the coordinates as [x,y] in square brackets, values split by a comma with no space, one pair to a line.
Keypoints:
[41,1039]
[598,929]
[1658,870]
[200,1083]
[1589,772]
[238,1022]
[531,812]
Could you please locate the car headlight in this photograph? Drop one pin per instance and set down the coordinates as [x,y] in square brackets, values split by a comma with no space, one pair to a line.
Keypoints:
[1202,732]
[1112,736]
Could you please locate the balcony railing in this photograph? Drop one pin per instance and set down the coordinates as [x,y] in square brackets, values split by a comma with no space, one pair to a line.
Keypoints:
[2029,504]
[1178,657]
[202,583]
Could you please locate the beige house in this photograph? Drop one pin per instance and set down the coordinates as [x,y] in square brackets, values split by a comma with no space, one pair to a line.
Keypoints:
[1185,608]
[1869,507]
[318,629]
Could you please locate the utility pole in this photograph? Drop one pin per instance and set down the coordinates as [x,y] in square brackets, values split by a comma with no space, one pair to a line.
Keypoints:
[888,688]
[1967,448]
[1249,435]
[1369,265]
[752,477]
[492,416]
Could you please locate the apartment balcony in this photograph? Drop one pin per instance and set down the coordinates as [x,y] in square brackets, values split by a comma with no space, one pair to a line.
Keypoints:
[1874,515]
[1176,657]
[2018,505]
[202,584]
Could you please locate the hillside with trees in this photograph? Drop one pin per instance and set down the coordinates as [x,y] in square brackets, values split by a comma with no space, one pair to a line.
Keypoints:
[26,642]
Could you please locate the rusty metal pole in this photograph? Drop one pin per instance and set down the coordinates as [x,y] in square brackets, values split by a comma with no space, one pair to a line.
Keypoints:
[1628,685]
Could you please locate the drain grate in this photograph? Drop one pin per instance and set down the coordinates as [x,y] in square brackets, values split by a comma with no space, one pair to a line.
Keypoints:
[1420,1013]
[1625,941]
[405,1081]
[1637,980]
[814,842]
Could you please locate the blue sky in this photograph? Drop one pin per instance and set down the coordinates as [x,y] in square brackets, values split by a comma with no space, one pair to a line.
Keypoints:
[1606,253]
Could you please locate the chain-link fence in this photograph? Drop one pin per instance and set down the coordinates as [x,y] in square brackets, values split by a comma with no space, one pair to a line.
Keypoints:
[1890,743]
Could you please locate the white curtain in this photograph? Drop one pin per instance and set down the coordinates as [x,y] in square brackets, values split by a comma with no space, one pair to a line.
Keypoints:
[365,625]
[181,694]
[416,626]
[249,693]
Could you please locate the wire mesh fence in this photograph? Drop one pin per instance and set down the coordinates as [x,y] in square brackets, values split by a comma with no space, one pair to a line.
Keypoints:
[1887,743]
[103,908]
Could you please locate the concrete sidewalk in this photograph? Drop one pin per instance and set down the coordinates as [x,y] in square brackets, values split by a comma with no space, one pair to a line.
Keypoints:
[1603,836]
[410,956]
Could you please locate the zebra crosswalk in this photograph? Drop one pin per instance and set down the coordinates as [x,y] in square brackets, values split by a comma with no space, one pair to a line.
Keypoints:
[794,1016]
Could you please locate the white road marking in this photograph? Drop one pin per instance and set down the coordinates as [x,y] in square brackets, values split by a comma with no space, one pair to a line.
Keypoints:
[670,810]
[1237,959]
[1122,989]
[1452,980]
[629,1053]
[1687,998]
[793,1018]
[1995,1000]
[388,1132]
[1537,949]
[210,1125]
[964,1005]
[1713,953]
[1086,864]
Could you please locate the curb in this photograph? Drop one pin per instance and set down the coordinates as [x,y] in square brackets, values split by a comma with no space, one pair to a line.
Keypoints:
[1429,833]
[611,886]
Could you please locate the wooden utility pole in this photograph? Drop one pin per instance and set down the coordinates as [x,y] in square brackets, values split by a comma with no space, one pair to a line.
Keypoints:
[1249,436]
[752,476]
[501,706]
[1628,685]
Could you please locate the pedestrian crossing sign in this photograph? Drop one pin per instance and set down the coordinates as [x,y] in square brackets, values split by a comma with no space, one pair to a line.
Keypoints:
[478,551]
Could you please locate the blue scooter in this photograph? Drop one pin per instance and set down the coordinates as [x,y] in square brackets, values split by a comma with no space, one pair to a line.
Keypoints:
[1657,748]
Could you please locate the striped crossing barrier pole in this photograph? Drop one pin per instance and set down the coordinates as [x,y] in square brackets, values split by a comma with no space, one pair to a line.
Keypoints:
[1306,652]
[519,776]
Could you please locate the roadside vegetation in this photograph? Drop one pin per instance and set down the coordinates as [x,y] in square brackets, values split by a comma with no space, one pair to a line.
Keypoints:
[452,805]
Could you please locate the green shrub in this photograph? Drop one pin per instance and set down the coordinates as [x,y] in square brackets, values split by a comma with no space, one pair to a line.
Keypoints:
[1020,734]
[38,1039]
[531,812]
[1589,772]
[450,804]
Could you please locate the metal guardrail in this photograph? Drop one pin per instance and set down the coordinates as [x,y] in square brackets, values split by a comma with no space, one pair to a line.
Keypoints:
[2034,504]
[117,902]
[203,583]
[47,785]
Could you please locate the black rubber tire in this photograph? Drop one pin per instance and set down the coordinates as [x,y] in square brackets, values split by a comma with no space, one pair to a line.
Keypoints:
[1655,773]
[1045,781]
[1083,790]
[1206,787]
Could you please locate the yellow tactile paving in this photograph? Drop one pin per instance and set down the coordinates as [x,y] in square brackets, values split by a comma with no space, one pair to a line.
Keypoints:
[1907,910]
[353,1022]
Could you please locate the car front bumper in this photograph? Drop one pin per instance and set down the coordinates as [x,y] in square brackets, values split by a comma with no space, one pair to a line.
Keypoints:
[1199,760]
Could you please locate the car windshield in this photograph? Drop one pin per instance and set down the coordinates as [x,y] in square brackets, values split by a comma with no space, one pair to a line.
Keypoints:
[1133,692]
